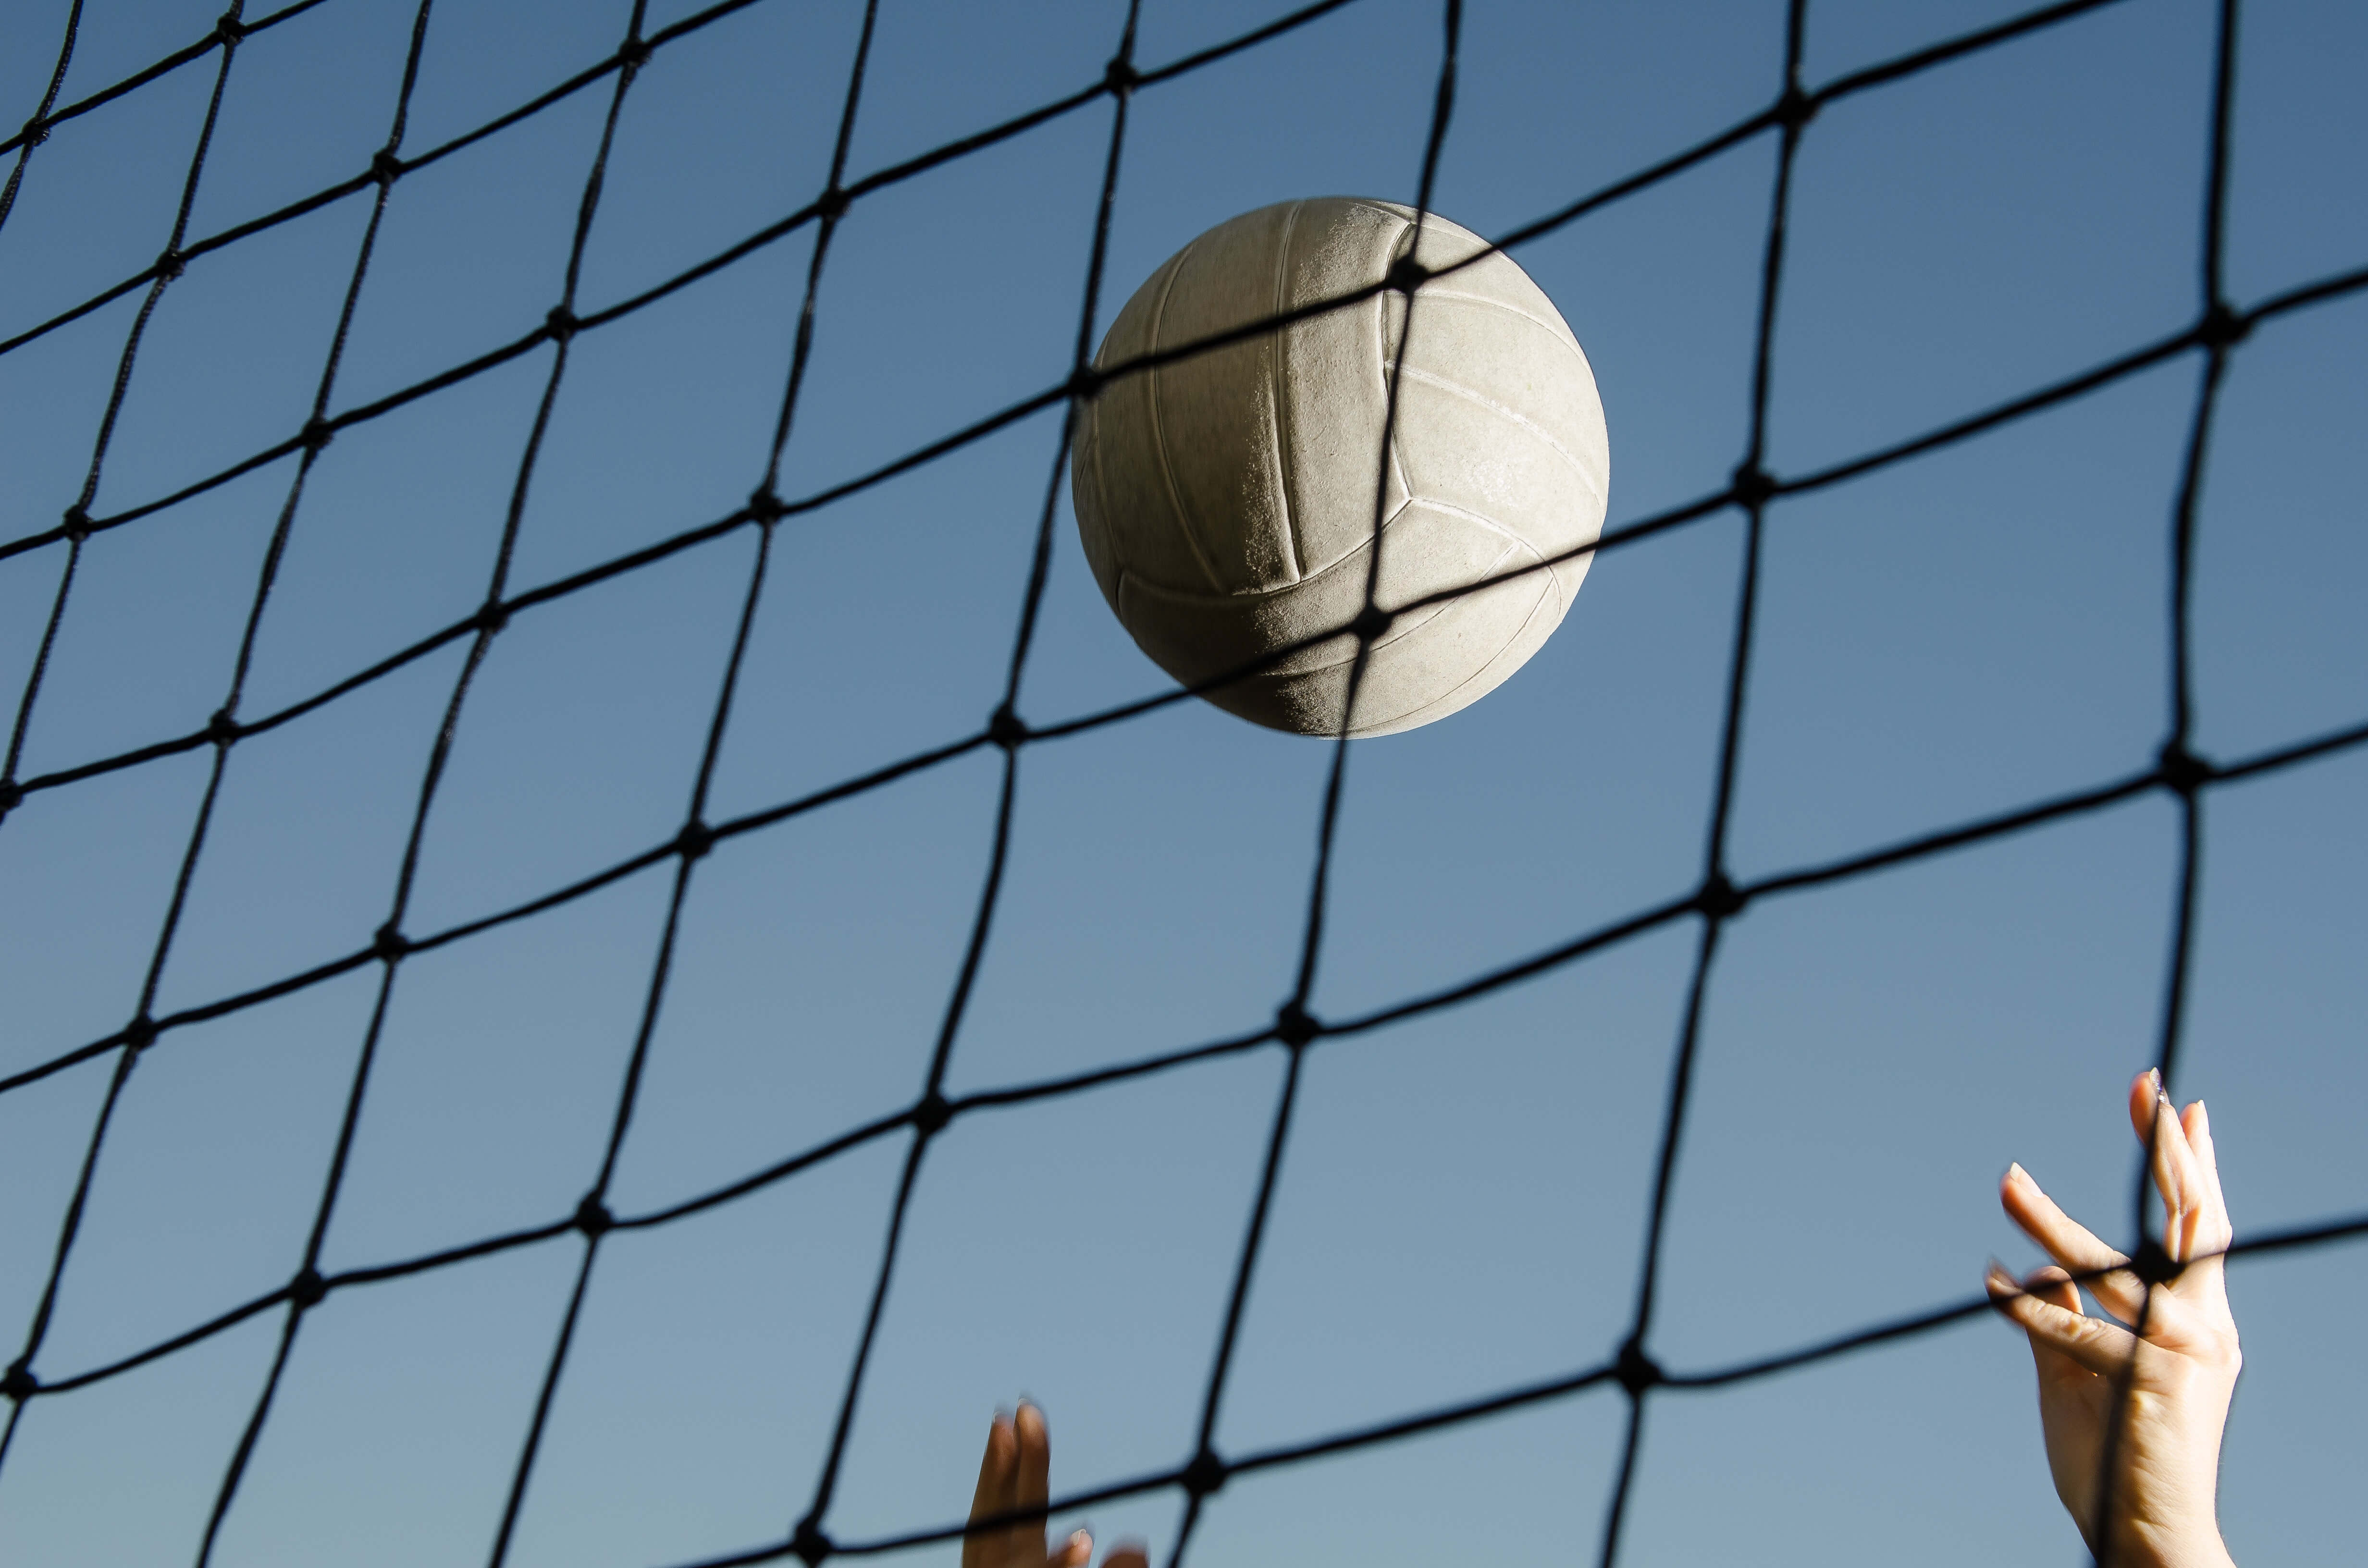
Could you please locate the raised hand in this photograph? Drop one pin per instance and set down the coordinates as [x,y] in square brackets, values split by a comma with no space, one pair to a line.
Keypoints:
[2177,1360]
[1016,1474]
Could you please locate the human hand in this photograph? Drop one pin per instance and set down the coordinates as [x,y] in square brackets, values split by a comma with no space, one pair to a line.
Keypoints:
[1015,1474]
[2179,1371]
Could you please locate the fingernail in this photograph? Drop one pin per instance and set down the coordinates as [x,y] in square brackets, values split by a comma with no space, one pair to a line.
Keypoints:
[2014,1172]
[2203,1119]
[2153,1075]
[1079,1538]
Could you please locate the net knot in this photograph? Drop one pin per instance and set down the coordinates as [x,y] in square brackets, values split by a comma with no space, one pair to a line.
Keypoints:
[695,840]
[76,523]
[171,265]
[385,167]
[1637,1370]
[36,132]
[222,729]
[809,1543]
[633,54]
[2223,326]
[1405,275]
[592,1217]
[1720,898]
[1086,383]
[561,323]
[766,506]
[317,433]
[2154,1266]
[1372,624]
[1795,109]
[2181,770]
[308,1288]
[1205,1474]
[12,795]
[140,1034]
[228,28]
[1754,485]
[1296,1025]
[1120,76]
[17,1383]
[1005,728]
[389,944]
[492,616]
[833,204]
[930,1116]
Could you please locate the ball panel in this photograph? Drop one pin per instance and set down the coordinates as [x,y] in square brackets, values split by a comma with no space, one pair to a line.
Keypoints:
[1525,306]
[1465,451]
[1125,500]
[1511,361]
[1478,272]
[1332,385]
[1545,614]
[1450,648]
[1216,410]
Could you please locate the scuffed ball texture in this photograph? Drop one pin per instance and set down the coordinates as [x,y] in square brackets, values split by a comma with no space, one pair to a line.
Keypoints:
[1227,500]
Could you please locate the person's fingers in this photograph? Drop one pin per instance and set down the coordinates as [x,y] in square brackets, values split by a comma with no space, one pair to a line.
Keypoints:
[2070,1243]
[1035,1469]
[2214,1231]
[2145,1090]
[2094,1344]
[1129,1554]
[999,1472]
[2051,1285]
[2054,1286]
[2176,1176]
[998,1469]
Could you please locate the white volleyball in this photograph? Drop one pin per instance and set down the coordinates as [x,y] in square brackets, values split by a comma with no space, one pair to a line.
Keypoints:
[1227,500]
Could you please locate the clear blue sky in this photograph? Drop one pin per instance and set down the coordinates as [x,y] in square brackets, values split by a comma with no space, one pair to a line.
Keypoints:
[1462,1203]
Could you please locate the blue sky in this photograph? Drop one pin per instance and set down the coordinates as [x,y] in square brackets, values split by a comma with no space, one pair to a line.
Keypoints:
[1463,1201]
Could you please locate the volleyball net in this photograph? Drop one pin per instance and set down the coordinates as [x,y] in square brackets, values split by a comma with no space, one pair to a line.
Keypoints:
[2208,342]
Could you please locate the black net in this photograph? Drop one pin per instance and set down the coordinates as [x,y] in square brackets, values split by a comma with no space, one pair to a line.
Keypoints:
[2176,771]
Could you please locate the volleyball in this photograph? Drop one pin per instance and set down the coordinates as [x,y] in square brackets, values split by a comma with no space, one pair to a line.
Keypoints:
[1227,500]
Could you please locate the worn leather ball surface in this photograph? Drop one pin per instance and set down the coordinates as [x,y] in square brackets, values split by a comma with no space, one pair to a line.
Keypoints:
[1227,500]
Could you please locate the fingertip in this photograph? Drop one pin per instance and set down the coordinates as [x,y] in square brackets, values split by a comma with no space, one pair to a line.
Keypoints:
[2143,1091]
[1003,1432]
